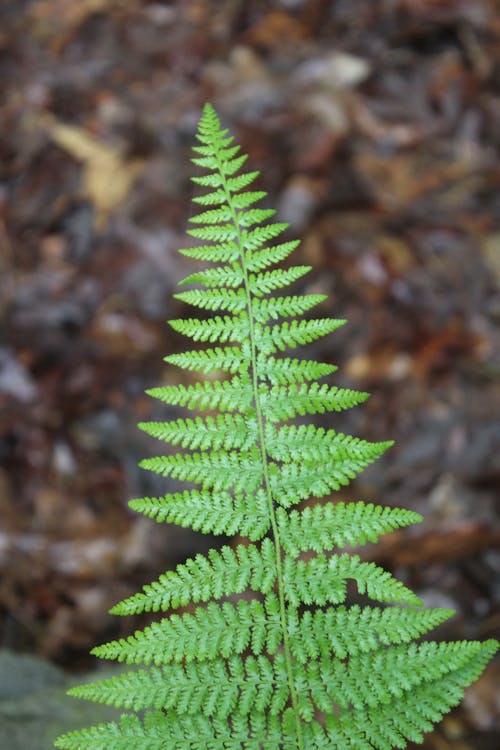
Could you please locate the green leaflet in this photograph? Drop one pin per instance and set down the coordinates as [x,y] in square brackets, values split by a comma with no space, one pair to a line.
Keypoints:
[166,730]
[220,686]
[273,656]
[283,403]
[201,578]
[322,580]
[316,443]
[285,370]
[257,260]
[226,431]
[222,329]
[406,717]
[226,299]
[209,512]
[212,631]
[272,308]
[220,470]
[344,631]
[324,527]
[270,339]
[213,253]
[233,395]
[229,359]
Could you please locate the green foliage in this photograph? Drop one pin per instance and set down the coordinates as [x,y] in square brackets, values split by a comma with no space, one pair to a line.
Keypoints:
[274,657]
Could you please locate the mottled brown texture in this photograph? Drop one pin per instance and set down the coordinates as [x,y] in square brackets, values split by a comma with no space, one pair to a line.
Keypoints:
[376,128]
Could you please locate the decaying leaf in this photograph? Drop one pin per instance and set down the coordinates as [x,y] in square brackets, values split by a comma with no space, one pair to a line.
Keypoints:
[107,177]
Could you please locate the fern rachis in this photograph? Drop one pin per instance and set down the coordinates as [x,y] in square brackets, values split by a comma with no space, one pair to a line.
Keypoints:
[272,656]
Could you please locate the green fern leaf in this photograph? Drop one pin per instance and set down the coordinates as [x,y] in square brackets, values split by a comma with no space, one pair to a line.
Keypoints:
[282,403]
[213,216]
[215,299]
[211,513]
[281,371]
[270,339]
[242,181]
[254,239]
[220,573]
[229,276]
[319,444]
[229,395]
[215,233]
[228,431]
[220,470]
[228,359]
[354,630]
[223,253]
[321,581]
[324,527]
[221,329]
[265,283]
[270,655]
[211,631]
[272,308]
[260,259]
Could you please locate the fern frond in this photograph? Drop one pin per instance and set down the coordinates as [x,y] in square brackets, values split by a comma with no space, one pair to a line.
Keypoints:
[152,733]
[391,672]
[231,166]
[220,573]
[253,216]
[219,197]
[270,654]
[216,198]
[244,200]
[211,180]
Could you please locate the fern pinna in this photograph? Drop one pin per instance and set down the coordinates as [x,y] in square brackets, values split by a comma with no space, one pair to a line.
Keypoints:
[270,655]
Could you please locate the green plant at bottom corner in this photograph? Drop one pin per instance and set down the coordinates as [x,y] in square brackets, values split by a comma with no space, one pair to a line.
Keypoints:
[273,656]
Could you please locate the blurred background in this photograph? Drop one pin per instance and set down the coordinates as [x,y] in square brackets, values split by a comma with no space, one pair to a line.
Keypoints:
[375,124]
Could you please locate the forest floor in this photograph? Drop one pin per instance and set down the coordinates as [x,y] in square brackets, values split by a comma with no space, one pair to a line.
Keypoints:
[376,126]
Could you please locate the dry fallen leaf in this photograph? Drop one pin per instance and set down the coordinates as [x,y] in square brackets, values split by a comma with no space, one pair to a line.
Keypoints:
[108,176]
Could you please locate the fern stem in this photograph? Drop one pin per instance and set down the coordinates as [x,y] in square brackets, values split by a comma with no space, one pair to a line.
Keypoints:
[267,485]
